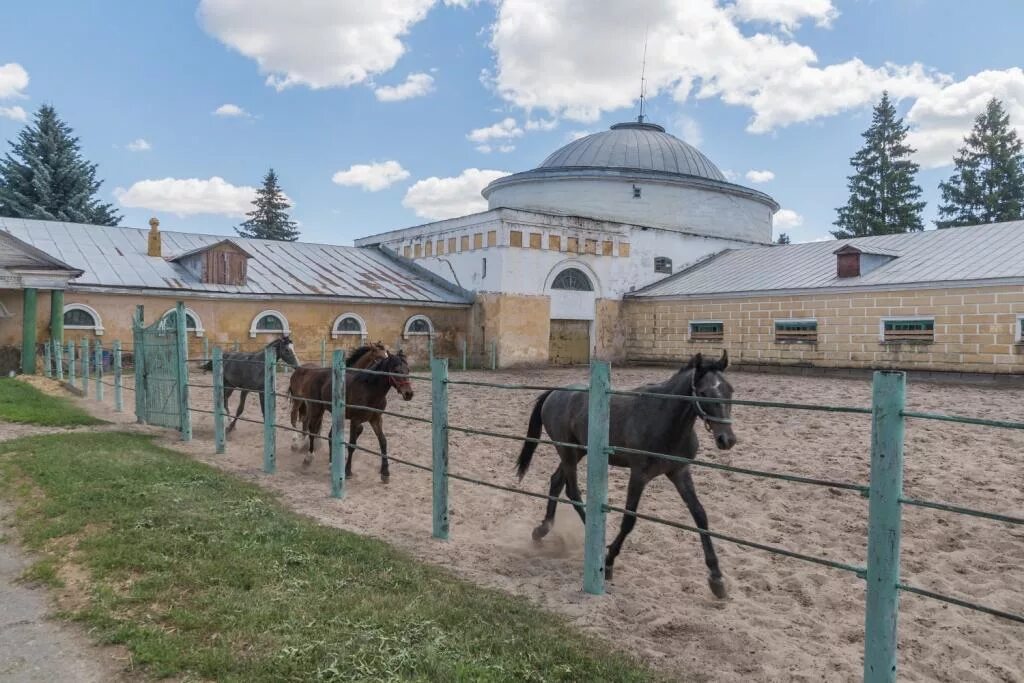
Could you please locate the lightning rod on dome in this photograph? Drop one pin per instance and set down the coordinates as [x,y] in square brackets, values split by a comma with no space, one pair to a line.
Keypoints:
[643,72]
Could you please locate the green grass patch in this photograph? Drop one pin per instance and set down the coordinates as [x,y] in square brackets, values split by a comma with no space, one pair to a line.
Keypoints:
[21,402]
[200,574]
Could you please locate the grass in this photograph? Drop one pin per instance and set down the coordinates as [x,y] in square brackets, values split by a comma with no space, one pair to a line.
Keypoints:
[200,574]
[21,402]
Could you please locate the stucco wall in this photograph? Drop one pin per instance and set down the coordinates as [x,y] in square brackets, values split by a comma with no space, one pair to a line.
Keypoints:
[610,331]
[974,329]
[228,320]
[520,324]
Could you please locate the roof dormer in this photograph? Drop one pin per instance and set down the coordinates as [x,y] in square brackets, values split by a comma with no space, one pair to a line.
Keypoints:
[221,263]
[855,260]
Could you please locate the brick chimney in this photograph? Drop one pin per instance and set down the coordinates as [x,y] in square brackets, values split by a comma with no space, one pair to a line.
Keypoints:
[155,246]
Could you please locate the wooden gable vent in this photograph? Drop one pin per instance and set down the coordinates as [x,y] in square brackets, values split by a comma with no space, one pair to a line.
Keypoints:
[222,263]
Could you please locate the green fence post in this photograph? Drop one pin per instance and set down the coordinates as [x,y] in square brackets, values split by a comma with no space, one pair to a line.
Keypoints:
[181,339]
[85,368]
[597,478]
[465,355]
[118,378]
[323,353]
[219,437]
[337,424]
[58,358]
[884,527]
[47,361]
[71,363]
[269,410]
[98,367]
[494,354]
[439,431]
[139,360]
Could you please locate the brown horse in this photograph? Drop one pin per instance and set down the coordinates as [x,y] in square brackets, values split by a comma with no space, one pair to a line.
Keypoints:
[301,385]
[365,394]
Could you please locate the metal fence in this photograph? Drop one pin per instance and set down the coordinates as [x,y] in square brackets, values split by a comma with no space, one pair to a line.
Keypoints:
[884,491]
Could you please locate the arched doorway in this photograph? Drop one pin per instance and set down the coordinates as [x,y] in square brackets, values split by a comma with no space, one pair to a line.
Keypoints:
[573,292]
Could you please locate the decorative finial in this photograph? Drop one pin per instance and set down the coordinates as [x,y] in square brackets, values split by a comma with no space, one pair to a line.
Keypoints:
[643,72]
[154,223]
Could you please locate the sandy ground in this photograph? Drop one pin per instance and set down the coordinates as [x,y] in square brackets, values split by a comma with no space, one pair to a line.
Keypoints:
[785,619]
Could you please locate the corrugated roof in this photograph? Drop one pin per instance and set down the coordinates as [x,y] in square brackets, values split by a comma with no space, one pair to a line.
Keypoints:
[18,254]
[116,257]
[981,252]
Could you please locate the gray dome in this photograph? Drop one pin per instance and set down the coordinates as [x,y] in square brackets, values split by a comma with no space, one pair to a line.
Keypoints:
[638,146]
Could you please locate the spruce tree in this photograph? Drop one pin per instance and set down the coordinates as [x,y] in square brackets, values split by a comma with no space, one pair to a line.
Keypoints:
[987,185]
[269,218]
[783,238]
[44,176]
[884,197]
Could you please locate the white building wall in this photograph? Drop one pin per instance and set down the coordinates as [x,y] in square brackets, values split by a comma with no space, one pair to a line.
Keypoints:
[666,205]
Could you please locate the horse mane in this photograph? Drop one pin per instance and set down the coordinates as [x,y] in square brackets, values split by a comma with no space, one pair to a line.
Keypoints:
[359,353]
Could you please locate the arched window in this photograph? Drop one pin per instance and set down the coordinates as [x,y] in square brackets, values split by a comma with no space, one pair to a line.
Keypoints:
[418,325]
[82,317]
[349,326]
[269,322]
[193,323]
[574,279]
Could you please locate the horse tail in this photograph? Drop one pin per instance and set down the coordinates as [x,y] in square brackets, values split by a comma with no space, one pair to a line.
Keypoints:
[207,366]
[532,432]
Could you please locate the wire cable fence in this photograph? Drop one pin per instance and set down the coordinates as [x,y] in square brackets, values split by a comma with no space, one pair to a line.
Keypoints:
[884,490]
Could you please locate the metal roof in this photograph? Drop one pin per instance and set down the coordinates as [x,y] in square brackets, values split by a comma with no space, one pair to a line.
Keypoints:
[116,257]
[634,145]
[17,254]
[934,257]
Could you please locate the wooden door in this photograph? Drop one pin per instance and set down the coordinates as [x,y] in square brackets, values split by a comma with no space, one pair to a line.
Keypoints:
[570,342]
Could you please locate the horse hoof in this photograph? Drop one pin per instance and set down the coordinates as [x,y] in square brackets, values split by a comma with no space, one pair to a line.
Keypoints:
[307,461]
[540,532]
[717,585]
[609,573]
[385,478]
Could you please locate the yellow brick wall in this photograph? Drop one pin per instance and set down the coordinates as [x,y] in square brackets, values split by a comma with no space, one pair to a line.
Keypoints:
[974,329]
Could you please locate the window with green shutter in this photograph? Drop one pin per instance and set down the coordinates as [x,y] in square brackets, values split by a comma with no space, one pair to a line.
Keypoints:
[915,331]
[796,331]
[707,330]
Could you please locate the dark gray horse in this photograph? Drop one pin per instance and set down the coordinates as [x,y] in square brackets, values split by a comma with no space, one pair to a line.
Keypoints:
[245,372]
[643,423]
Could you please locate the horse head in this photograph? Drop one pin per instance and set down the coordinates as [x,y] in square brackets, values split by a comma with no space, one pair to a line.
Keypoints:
[396,363]
[285,350]
[707,379]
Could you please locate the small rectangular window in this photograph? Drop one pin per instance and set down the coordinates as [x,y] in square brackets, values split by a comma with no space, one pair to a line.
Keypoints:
[606,248]
[478,240]
[623,248]
[590,247]
[1018,331]
[573,245]
[662,264]
[417,250]
[464,243]
[492,238]
[636,192]
[912,331]
[407,251]
[535,238]
[451,245]
[555,242]
[707,330]
[796,331]
[428,248]
[440,247]
[515,238]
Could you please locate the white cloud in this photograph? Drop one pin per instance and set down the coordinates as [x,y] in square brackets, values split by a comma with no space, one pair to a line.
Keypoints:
[13,80]
[439,198]
[552,55]
[502,130]
[730,175]
[940,120]
[760,176]
[139,145]
[13,113]
[416,85]
[230,111]
[371,177]
[541,124]
[689,131]
[185,196]
[788,14]
[577,134]
[316,44]
[787,218]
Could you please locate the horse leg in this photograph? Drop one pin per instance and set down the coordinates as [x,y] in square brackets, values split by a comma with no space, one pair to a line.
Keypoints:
[227,394]
[243,393]
[572,484]
[311,425]
[637,481]
[377,424]
[354,430]
[684,484]
[555,490]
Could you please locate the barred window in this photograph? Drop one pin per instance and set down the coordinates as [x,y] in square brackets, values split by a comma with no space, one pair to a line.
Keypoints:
[895,331]
[790,331]
[707,330]
[574,279]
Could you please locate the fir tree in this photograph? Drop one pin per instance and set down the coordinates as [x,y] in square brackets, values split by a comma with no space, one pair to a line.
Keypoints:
[783,238]
[884,197]
[269,218]
[44,176]
[987,185]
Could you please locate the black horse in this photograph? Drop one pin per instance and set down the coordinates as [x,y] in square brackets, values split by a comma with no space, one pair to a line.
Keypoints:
[644,423]
[245,372]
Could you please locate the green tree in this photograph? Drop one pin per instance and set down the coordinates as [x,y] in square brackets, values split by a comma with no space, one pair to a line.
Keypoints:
[987,185]
[44,176]
[884,197]
[269,218]
[783,238]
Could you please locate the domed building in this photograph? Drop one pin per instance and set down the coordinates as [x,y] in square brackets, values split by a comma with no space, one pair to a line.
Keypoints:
[560,244]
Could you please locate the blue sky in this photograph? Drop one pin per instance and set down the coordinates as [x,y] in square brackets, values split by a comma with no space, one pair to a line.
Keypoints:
[758,85]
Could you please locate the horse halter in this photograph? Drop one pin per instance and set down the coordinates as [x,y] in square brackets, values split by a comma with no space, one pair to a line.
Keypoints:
[701,413]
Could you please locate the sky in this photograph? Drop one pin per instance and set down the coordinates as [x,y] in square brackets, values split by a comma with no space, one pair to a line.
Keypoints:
[377,115]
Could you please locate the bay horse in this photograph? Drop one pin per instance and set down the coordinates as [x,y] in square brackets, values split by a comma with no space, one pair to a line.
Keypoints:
[362,390]
[301,383]
[644,423]
[245,371]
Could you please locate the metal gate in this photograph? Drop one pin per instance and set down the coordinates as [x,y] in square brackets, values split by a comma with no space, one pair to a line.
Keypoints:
[569,343]
[161,371]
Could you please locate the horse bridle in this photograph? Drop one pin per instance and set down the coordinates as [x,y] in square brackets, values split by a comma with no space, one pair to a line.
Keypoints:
[701,413]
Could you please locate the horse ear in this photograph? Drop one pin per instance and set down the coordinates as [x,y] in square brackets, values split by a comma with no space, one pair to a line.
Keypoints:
[723,363]
[695,361]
